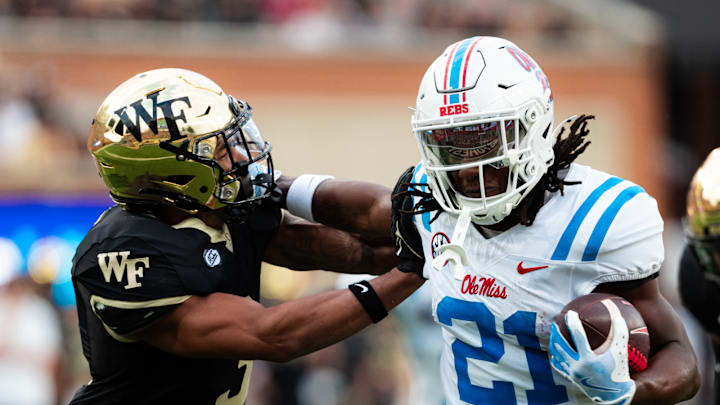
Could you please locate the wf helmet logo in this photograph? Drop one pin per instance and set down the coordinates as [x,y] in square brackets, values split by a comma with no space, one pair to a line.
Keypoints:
[151,120]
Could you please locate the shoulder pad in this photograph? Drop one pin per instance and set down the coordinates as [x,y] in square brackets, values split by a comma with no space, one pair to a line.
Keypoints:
[122,278]
[616,225]
[182,251]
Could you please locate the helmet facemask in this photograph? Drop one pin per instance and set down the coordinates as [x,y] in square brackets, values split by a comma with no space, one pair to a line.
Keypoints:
[497,142]
[239,157]
[486,106]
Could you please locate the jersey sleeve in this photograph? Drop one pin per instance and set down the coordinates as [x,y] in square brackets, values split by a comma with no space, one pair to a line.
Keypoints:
[129,284]
[627,240]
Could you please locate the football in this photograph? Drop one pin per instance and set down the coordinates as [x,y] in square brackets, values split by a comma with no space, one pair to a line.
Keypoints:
[595,318]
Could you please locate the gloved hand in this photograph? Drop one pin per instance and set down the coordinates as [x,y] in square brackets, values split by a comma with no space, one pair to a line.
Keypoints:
[404,232]
[603,374]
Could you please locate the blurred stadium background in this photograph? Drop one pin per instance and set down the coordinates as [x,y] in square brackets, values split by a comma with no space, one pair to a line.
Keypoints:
[330,82]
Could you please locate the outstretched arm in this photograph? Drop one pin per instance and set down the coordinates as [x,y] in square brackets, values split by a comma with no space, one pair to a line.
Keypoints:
[303,245]
[363,209]
[672,374]
[227,326]
[357,207]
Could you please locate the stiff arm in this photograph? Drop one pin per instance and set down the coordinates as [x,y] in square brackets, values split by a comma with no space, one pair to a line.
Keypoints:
[228,326]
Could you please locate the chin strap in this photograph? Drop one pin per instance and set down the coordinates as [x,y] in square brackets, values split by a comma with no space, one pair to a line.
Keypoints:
[454,250]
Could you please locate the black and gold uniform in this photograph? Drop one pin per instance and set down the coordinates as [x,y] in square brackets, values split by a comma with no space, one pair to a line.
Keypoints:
[131,270]
[700,292]
[700,262]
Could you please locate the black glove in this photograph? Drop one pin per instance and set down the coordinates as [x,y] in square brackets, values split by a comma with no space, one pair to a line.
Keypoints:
[404,232]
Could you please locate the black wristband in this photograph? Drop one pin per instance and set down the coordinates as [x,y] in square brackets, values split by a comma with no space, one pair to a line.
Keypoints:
[369,300]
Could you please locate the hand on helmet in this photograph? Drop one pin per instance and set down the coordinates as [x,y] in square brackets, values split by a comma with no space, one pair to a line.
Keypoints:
[404,232]
[603,375]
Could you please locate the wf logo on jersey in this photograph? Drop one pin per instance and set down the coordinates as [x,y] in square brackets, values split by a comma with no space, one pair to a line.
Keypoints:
[438,240]
[109,265]
[485,286]
[152,122]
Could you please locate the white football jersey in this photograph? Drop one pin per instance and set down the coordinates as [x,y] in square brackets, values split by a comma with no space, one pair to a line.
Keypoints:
[496,316]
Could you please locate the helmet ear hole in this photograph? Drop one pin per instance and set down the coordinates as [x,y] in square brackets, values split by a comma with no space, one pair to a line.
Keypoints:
[531,115]
[530,169]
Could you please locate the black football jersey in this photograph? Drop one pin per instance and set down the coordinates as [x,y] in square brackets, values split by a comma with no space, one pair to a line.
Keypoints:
[129,271]
[699,294]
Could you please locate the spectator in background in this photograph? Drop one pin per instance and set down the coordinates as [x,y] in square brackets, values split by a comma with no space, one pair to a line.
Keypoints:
[423,343]
[420,341]
[31,129]
[30,346]
[19,124]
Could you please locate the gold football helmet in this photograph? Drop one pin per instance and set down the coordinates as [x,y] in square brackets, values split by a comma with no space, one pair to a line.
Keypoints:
[703,213]
[157,139]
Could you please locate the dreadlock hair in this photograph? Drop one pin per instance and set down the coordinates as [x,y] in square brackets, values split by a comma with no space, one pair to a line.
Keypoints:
[566,150]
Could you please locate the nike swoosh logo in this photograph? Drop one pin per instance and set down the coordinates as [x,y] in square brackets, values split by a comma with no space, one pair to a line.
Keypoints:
[586,382]
[523,270]
[506,86]
[364,289]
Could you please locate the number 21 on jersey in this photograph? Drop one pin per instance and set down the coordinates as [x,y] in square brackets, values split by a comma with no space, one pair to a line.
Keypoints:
[520,324]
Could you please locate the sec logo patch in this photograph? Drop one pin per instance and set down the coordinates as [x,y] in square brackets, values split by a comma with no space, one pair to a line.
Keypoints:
[212,257]
[438,240]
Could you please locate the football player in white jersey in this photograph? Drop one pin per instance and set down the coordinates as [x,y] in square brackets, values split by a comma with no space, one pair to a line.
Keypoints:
[508,230]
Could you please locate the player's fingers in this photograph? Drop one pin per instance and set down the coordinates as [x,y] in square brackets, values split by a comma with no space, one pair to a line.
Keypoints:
[618,326]
[577,332]
[560,366]
[557,352]
[558,344]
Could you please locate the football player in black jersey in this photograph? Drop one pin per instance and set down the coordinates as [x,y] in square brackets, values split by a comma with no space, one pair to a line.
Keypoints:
[167,281]
[700,262]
